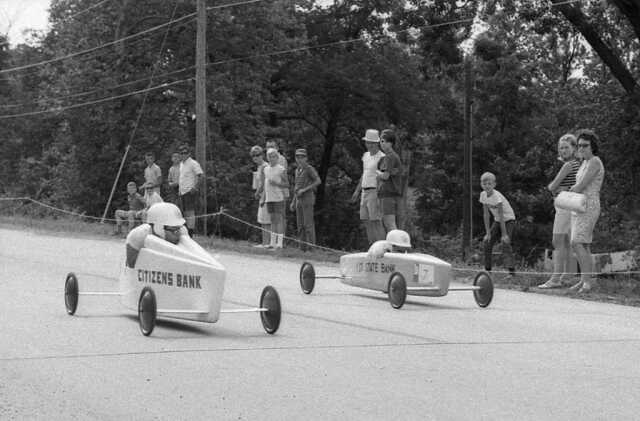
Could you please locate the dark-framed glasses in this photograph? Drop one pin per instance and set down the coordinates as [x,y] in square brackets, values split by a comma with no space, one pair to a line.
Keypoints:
[584,145]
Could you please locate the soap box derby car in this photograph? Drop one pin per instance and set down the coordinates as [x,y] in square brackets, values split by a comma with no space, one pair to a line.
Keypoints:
[399,275]
[180,281]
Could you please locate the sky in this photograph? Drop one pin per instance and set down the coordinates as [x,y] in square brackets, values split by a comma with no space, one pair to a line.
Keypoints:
[19,15]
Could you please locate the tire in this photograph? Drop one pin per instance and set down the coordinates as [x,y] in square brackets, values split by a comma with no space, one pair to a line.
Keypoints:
[397,290]
[270,300]
[147,311]
[71,293]
[307,277]
[484,295]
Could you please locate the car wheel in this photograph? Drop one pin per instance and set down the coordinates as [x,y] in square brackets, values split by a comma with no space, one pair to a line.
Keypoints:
[307,277]
[397,290]
[484,295]
[147,311]
[270,300]
[71,293]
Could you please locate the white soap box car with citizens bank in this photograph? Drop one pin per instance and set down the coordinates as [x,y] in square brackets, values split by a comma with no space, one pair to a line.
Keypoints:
[180,281]
[398,275]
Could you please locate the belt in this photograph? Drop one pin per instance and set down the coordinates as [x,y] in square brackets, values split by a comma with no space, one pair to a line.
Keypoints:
[369,188]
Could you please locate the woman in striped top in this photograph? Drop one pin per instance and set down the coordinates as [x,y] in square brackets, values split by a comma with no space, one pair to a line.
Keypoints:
[565,178]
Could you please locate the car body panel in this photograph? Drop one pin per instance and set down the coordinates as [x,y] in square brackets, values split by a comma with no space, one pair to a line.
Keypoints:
[184,277]
[428,273]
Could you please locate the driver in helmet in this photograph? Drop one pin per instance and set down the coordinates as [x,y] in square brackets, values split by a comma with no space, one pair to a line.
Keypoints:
[164,220]
[398,241]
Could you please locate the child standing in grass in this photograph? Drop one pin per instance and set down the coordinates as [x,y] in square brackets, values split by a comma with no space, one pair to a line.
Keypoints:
[504,220]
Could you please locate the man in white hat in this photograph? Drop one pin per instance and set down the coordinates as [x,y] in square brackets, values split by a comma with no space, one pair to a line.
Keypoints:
[367,188]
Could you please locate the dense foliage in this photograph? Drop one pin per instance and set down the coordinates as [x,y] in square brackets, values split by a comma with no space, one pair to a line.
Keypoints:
[316,75]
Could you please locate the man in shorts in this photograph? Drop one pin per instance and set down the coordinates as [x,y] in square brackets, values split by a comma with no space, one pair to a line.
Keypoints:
[191,175]
[390,180]
[367,188]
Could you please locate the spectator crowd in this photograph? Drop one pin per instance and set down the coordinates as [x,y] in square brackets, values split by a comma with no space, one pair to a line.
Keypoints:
[183,183]
[379,192]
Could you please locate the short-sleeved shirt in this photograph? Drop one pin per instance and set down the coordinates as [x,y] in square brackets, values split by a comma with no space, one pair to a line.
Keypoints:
[392,186]
[189,172]
[369,167]
[174,174]
[275,174]
[306,176]
[493,201]
[136,236]
[152,174]
[136,202]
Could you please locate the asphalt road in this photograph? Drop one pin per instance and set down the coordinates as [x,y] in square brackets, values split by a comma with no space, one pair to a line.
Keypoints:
[341,353]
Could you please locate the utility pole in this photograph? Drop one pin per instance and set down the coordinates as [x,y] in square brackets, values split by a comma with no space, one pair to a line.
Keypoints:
[201,102]
[466,194]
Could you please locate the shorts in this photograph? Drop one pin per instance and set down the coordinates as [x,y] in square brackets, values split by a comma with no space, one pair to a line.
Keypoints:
[390,205]
[562,222]
[275,207]
[188,202]
[369,205]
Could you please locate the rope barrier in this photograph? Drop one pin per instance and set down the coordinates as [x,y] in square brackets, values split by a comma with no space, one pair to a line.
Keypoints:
[223,212]
[297,240]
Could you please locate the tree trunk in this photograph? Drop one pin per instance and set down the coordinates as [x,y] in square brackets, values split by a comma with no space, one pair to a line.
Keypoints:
[574,15]
[325,162]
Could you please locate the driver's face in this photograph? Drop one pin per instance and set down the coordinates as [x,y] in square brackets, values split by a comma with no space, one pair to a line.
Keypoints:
[172,234]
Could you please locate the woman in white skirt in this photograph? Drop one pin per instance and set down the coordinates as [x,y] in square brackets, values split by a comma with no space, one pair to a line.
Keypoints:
[588,182]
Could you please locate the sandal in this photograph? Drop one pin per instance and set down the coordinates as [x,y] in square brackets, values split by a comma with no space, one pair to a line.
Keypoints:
[576,287]
[550,284]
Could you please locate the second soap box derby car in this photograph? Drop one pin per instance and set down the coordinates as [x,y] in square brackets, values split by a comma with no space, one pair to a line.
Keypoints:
[399,275]
[181,281]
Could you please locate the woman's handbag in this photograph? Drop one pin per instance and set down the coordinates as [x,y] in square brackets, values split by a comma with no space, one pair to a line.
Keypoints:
[572,201]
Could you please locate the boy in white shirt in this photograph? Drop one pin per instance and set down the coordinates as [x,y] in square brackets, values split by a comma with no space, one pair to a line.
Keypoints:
[504,219]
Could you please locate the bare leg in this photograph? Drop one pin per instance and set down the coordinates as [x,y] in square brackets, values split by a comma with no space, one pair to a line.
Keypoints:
[266,228]
[561,261]
[583,254]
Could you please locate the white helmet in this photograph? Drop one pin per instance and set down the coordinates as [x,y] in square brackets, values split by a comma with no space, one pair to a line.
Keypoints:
[399,238]
[164,213]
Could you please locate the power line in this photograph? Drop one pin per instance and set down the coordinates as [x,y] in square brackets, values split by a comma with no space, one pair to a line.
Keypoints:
[57,109]
[79,94]
[220,62]
[108,44]
[75,15]
[87,58]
